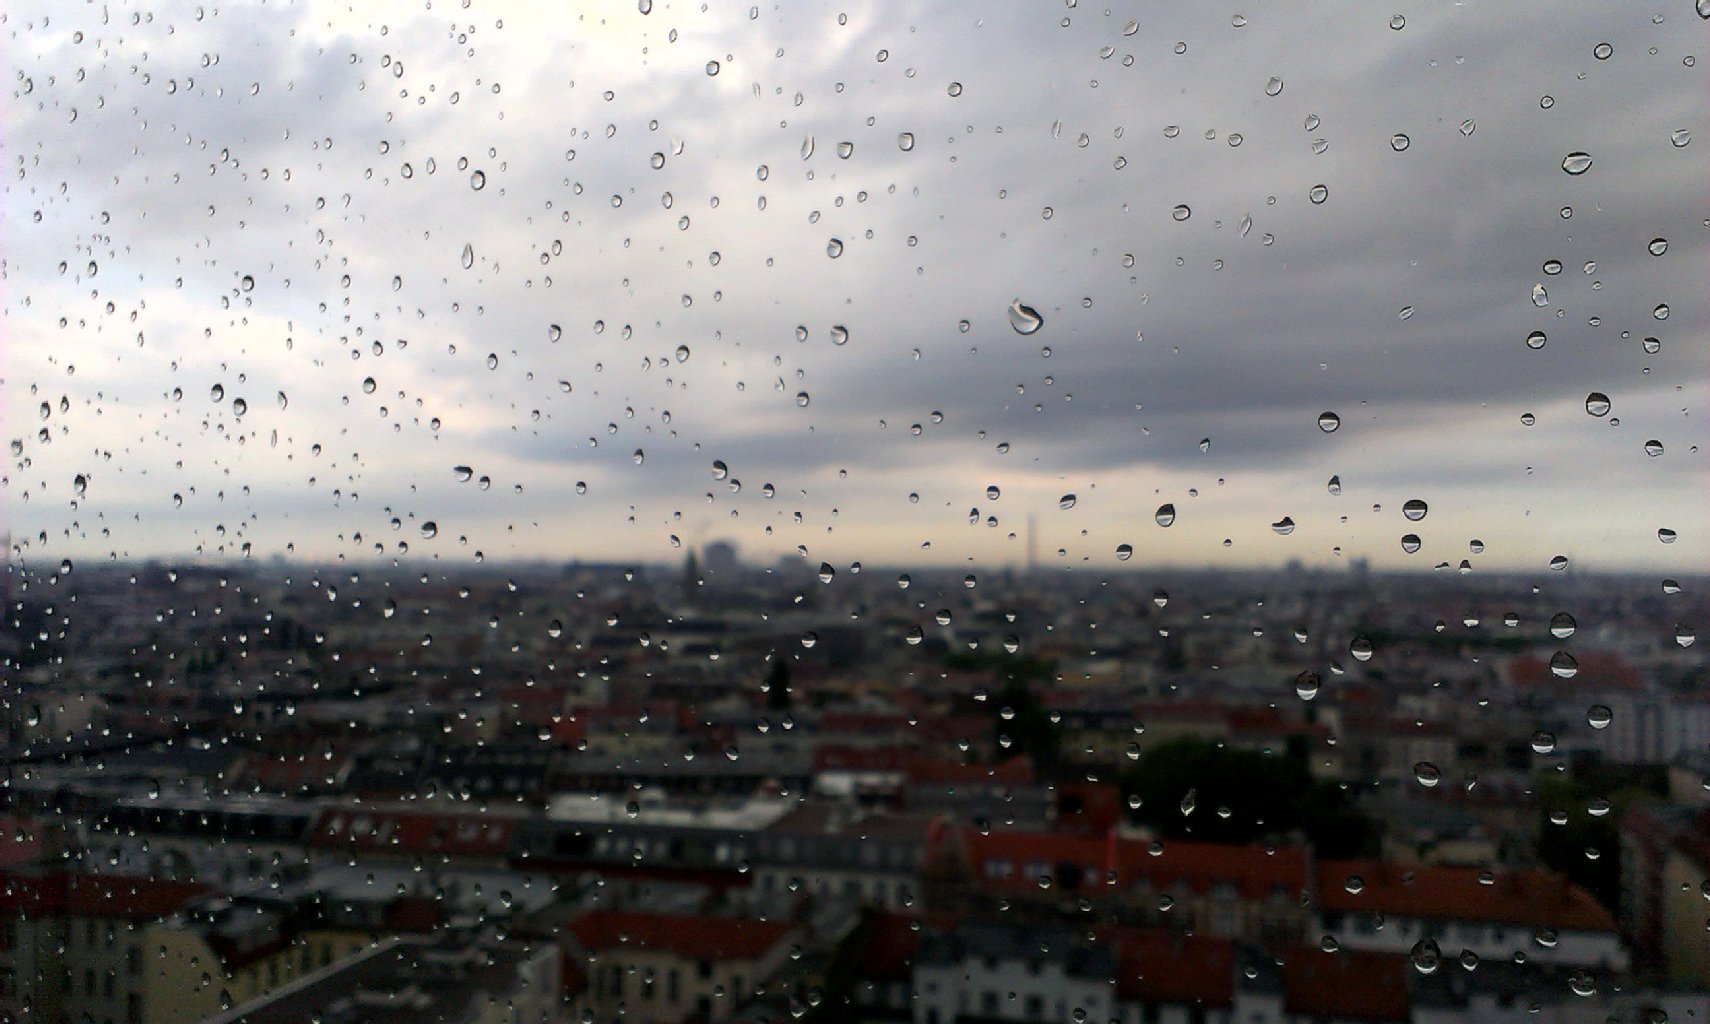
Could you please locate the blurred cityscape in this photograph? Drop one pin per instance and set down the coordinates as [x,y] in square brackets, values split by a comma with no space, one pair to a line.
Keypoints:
[721,792]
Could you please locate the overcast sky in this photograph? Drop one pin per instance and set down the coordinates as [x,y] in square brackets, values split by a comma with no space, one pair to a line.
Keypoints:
[279,204]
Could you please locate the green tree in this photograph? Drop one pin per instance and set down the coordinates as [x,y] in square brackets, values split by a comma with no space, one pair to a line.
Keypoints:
[1185,785]
[778,685]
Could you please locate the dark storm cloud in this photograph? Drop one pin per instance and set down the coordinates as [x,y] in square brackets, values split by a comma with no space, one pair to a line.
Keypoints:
[1238,324]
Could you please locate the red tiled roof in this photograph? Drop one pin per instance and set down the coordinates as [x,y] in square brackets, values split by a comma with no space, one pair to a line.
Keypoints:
[1346,985]
[62,894]
[1440,893]
[889,953]
[927,770]
[1255,871]
[1603,669]
[697,938]
[1162,967]
[1015,858]
[21,839]
[837,757]
[467,835]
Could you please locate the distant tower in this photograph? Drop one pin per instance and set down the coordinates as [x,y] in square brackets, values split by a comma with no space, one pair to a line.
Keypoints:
[691,577]
[722,564]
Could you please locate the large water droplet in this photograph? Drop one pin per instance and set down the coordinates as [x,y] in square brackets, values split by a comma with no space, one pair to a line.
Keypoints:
[1576,163]
[1273,87]
[1283,526]
[1023,318]
[1124,552]
[468,255]
[1540,296]
[1597,403]
[1399,142]
[834,248]
[1562,625]
[1066,502]
[1165,515]
[1181,212]
[1414,509]
[1427,774]
[905,141]
[1328,422]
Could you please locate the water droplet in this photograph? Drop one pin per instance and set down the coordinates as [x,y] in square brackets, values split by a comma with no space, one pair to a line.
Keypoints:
[478,180]
[1468,127]
[1562,625]
[1536,340]
[1411,543]
[712,68]
[1661,312]
[839,334]
[682,353]
[468,256]
[239,407]
[1273,87]
[1361,648]
[1307,685]
[1283,526]
[955,89]
[1597,403]
[719,470]
[1124,552]
[644,6]
[1658,246]
[1598,716]
[1399,142]
[1653,448]
[1165,515]
[1564,665]
[1685,636]
[1328,422]
[1681,138]
[1576,163]
[845,150]
[834,248]
[802,399]
[1181,212]
[430,529]
[905,141]
[1427,774]
[1414,509]
[1425,956]
[1540,296]
[807,153]
[1066,502]
[1582,983]
[1318,194]
[826,572]
[1666,535]
[1603,51]
[1023,318]
[1335,484]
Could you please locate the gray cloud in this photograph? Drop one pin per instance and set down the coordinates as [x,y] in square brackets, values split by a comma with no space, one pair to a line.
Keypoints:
[274,146]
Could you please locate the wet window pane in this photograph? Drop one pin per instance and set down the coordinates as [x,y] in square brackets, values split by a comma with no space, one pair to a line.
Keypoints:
[936,513]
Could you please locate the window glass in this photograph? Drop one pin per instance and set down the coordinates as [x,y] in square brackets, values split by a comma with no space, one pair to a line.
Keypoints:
[1210,499]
